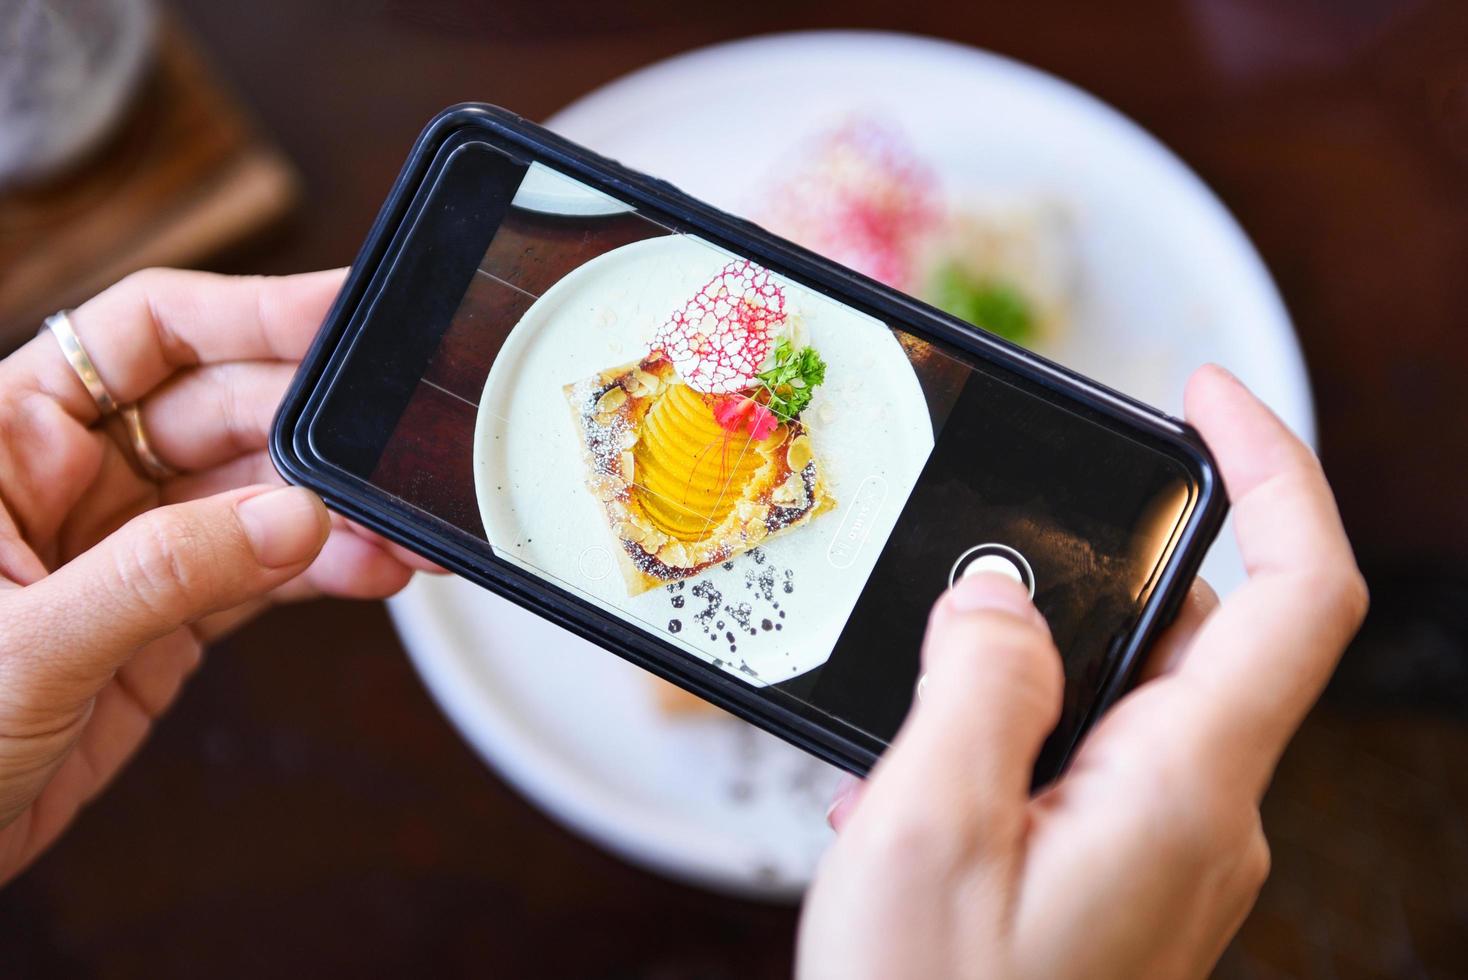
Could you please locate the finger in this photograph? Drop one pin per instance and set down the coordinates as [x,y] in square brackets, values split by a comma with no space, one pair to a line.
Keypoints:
[844,801]
[216,626]
[351,567]
[47,463]
[1167,655]
[347,568]
[354,564]
[153,676]
[242,471]
[114,493]
[411,559]
[257,468]
[208,415]
[154,322]
[1260,661]
[992,694]
[68,633]
[116,724]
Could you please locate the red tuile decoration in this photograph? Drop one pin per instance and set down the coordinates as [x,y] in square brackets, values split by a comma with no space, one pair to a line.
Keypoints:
[719,340]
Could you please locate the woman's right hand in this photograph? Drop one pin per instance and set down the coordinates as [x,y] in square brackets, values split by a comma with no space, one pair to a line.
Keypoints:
[1144,858]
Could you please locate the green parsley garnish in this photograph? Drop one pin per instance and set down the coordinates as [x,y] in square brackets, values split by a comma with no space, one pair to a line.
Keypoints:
[996,306]
[792,379]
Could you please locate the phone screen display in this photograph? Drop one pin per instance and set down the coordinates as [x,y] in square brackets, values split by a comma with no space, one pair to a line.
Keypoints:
[773,481]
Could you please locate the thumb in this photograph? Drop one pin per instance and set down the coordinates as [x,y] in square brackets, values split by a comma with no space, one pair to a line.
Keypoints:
[165,568]
[990,696]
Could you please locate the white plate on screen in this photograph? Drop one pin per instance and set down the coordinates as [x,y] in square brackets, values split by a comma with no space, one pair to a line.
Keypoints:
[544,191]
[869,423]
[1169,282]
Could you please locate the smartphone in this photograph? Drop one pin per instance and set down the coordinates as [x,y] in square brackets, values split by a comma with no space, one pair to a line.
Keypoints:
[736,464]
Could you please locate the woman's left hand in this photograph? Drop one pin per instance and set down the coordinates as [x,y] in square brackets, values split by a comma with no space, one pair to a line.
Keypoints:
[111,582]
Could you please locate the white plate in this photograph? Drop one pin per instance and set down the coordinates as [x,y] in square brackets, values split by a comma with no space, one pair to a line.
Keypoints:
[709,801]
[1170,281]
[530,479]
[548,192]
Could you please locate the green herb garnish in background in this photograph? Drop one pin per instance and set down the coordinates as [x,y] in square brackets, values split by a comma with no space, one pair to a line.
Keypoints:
[791,381]
[995,306]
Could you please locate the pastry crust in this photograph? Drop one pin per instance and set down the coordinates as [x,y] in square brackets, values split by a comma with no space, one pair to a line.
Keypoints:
[780,481]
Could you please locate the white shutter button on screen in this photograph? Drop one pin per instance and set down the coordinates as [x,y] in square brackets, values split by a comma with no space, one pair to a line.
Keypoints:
[999,558]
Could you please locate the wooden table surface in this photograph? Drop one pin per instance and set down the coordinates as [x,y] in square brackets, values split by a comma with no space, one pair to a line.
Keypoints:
[306,810]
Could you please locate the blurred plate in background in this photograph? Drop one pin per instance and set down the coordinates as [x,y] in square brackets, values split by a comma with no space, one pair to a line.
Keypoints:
[1166,281]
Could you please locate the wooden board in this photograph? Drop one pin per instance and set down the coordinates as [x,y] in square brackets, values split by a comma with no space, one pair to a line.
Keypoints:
[185,174]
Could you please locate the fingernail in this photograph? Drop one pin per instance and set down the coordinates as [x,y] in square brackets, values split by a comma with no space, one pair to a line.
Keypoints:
[284,527]
[1226,373]
[990,590]
[844,790]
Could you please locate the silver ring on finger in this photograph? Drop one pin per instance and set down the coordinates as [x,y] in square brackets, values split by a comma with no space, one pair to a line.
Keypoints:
[59,323]
[143,450]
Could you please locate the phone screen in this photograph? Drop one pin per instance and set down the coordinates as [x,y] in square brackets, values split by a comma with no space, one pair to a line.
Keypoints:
[775,482]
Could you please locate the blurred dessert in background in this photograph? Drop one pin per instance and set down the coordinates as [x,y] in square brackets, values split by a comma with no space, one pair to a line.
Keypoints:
[674,702]
[861,195]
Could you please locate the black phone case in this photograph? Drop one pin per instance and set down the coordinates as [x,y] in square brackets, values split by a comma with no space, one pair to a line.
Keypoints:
[292,455]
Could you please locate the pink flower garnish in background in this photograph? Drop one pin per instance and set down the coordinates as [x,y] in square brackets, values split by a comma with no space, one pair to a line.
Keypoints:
[719,339]
[860,196]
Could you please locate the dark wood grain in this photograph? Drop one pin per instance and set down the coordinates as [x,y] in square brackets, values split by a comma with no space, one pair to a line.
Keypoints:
[427,460]
[307,811]
[532,252]
[183,174]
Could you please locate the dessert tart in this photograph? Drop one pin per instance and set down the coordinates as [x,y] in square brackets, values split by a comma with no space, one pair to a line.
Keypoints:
[697,452]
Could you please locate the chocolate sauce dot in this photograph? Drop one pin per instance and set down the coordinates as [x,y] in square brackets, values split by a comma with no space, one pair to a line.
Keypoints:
[729,637]
[732,648]
[674,625]
[678,602]
[719,624]
[778,626]
[782,614]
[764,624]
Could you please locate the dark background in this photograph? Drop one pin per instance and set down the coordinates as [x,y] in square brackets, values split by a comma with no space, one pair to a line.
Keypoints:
[306,810]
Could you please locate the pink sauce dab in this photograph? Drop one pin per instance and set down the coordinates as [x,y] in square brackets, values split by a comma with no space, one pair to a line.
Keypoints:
[719,339]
